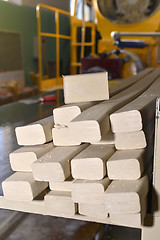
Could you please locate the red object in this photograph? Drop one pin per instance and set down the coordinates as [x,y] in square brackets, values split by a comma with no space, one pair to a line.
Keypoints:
[111,65]
[48,98]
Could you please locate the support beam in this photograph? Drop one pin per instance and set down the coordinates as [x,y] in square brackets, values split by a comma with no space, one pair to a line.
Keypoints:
[127,220]
[151,230]
[38,207]
[156,162]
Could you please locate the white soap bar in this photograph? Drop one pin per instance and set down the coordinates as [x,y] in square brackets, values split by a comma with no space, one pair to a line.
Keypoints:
[90,163]
[130,140]
[125,196]
[92,124]
[126,164]
[22,187]
[138,113]
[21,159]
[86,87]
[55,165]
[128,121]
[36,133]
[65,114]
[91,192]
[75,133]
[60,203]
[135,220]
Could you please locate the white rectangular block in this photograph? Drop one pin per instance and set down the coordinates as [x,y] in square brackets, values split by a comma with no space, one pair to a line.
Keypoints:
[22,187]
[92,124]
[91,192]
[130,140]
[75,133]
[21,159]
[65,114]
[55,165]
[126,196]
[127,121]
[86,87]
[126,165]
[138,113]
[62,186]
[93,210]
[134,220]
[36,133]
[60,203]
[90,164]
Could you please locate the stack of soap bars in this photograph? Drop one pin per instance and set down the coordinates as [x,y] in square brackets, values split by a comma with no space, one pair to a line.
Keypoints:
[91,158]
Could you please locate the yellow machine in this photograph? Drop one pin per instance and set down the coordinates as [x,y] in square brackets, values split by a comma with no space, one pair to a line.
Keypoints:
[136,21]
[135,28]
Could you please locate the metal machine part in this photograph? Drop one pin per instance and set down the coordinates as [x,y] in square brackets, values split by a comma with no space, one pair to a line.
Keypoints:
[129,56]
[117,35]
[128,11]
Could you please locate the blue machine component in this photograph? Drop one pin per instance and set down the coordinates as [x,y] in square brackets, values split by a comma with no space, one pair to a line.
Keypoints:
[130,44]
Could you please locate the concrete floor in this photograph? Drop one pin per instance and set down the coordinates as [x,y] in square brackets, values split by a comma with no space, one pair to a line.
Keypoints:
[38,227]
[122,233]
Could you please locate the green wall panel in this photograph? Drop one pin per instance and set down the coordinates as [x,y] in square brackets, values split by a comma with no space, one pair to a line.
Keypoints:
[22,19]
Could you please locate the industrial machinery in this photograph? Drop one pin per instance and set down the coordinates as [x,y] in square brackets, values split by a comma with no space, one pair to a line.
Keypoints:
[138,22]
[130,38]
